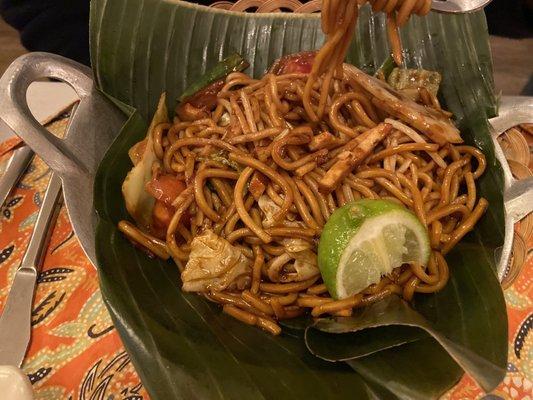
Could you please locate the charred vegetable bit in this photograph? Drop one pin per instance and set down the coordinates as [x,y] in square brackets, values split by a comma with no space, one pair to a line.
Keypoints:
[222,157]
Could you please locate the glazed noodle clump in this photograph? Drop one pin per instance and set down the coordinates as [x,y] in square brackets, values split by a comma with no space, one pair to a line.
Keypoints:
[246,176]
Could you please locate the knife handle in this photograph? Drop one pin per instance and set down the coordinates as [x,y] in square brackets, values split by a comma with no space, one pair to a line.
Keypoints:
[14,384]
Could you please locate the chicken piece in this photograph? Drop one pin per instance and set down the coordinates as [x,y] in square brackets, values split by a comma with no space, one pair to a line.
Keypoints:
[215,265]
[269,209]
[188,112]
[257,185]
[440,129]
[349,159]
[324,140]
[305,266]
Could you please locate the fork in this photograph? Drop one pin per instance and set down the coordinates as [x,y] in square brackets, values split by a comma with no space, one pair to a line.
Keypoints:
[458,6]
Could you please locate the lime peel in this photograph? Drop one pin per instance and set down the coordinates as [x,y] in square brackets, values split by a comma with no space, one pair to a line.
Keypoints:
[365,240]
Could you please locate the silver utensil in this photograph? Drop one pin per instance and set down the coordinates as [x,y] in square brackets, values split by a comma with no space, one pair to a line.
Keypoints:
[15,321]
[16,166]
[458,6]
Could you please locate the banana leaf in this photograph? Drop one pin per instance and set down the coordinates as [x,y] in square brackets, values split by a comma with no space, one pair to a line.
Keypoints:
[184,347]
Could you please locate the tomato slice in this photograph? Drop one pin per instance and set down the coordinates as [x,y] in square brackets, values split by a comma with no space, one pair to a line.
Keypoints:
[165,188]
[206,98]
[295,63]
[161,216]
[201,103]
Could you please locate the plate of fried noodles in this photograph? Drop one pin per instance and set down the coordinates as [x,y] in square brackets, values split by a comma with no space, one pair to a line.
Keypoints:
[294,213]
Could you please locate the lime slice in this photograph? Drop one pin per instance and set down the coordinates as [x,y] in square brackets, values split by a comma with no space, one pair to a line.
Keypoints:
[365,240]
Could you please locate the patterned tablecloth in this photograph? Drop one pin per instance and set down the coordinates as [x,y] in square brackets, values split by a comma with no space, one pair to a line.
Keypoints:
[76,353]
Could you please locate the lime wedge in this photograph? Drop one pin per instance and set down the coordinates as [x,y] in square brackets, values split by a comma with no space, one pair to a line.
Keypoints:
[365,240]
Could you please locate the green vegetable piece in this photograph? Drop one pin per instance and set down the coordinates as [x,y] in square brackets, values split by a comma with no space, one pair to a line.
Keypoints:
[233,63]
[410,80]
[387,67]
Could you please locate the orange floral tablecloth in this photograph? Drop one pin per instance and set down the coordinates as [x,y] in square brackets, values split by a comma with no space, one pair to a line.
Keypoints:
[76,353]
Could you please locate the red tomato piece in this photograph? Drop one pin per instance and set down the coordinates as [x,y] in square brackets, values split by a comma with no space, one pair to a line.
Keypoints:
[201,103]
[162,214]
[165,188]
[206,98]
[295,63]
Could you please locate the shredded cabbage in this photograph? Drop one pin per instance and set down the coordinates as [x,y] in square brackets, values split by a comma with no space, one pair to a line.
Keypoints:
[139,203]
[215,265]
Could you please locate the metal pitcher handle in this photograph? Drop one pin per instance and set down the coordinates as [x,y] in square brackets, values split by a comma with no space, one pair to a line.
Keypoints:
[14,110]
[518,194]
[93,126]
